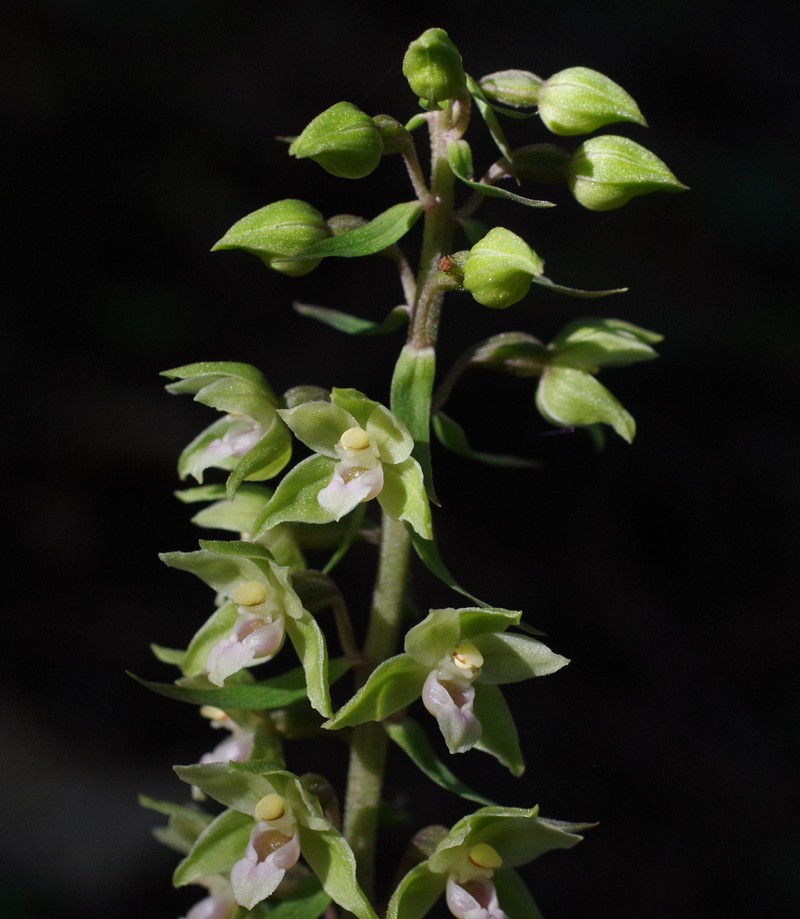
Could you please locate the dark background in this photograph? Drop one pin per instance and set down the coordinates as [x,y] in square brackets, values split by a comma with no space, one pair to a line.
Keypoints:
[667,571]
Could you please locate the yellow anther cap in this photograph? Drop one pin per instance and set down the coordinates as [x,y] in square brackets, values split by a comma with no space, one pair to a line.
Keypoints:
[467,657]
[270,807]
[251,593]
[484,856]
[212,713]
[355,439]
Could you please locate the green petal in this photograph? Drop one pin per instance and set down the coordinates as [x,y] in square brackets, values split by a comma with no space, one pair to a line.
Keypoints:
[416,893]
[403,496]
[512,658]
[499,736]
[221,844]
[319,425]
[391,436]
[514,897]
[217,627]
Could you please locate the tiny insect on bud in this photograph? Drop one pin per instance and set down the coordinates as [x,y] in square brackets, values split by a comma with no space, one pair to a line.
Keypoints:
[483,855]
[251,593]
[355,439]
[270,807]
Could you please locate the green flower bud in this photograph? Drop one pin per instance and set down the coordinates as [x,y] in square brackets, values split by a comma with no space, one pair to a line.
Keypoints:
[517,88]
[606,172]
[544,163]
[277,232]
[432,66]
[579,100]
[500,269]
[343,140]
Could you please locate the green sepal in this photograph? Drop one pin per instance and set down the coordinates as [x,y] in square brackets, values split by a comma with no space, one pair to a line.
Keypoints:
[238,786]
[499,735]
[403,496]
[542,281]
[332,860]
[309,643]
[412,388]
[277,234]
[185,824]
[413,741]
[416,893]
[221,844]
[516,353]
[568,397]
[343,140]
[264,695]
[392,685]
[173,656]
[296,496]
[451,435]
[579,100]
[229,386]
[354,325]
[513,894]
[588,344]
[432,65]
[459,156]
[429,555]
[487,113]
[510,658]
[385,230]
[223,565]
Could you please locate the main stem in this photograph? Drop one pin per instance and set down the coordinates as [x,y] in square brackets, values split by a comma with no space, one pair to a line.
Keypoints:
[370,741]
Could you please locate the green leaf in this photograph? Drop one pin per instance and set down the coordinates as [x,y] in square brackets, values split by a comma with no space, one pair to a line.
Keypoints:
[570,397]
[413,741]
[428,552]
[451,435]
[308,901]
[296,497]
[499,736]
[403,496]
[354,325]
[514,897]
[221,844]
[416,893]
[385,230]
[459,156]
[333,862]
[392,685]
[277,692]
[412,388]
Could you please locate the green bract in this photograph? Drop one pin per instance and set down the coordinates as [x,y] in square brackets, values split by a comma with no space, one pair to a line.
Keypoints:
[266,800]
[343,140]
[580,100]
[444,655]
[361,452]
[278,232]
[251,440]
[432,65]
[606,172]
[475,862]
[500,268]
[259,609]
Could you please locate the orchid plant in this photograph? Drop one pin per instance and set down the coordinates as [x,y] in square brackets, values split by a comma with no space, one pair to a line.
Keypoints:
[306,474]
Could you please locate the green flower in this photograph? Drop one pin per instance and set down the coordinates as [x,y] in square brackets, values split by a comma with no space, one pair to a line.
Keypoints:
[361,452]
[454,660]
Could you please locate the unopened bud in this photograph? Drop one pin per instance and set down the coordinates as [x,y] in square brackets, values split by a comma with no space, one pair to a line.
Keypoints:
[432,65]
[343,140]
[500,269]
[517,88]
[278,232]
[579,100]
[605,172]
[270,807]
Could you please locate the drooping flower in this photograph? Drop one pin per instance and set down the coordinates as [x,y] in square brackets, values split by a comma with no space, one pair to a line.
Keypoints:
[273,819]
[236,747]
[454,660]
[362,451]
[219,904]
[473,865]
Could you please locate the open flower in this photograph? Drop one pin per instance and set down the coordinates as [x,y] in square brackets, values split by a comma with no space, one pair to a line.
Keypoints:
[473,865]
[273,819]
[260,609]
[454,660]
[219,904]
[236,747]
[361,452]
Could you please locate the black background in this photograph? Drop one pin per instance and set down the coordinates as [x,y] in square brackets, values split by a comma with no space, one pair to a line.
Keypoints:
[667,571]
